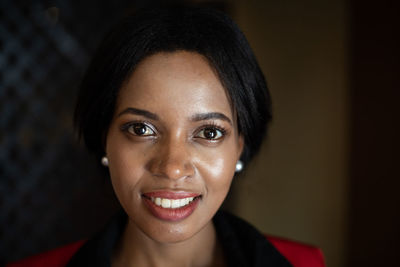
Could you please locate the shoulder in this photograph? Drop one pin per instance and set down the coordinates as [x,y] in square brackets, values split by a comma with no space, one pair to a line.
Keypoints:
[298,254]
[250,240]
[58,257]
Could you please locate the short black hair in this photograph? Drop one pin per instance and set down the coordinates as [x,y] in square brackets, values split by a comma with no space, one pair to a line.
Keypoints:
[208,32]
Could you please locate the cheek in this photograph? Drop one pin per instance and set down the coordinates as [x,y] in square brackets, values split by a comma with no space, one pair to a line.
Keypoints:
[125,167]
[217,169]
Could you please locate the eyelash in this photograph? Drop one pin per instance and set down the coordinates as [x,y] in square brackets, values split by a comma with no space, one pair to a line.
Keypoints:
[212,125]
[128,125]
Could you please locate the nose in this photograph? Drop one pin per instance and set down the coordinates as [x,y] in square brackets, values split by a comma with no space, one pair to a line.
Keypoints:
[172,159]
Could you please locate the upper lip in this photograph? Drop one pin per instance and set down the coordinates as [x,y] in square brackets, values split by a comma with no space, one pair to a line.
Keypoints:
[171,194]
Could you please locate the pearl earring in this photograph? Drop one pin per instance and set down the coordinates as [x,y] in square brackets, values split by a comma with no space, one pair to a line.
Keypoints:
[239,166]
[104,161]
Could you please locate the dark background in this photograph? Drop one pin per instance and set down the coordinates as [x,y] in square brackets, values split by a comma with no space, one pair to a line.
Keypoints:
[374,219]
[52,192]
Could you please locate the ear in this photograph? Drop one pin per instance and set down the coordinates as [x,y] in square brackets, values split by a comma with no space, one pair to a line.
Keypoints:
[240,145]
[104,140]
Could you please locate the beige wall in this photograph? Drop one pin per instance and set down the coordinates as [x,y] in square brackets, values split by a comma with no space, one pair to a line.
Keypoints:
[297,187]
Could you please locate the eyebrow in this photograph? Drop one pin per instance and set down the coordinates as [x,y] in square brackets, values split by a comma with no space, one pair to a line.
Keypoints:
[196,117]
[210,115]
[140,112]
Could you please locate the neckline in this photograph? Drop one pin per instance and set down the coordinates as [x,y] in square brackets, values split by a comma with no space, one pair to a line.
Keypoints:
[242,244]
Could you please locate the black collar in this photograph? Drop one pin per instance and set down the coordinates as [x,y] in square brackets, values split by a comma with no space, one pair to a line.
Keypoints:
[243,245]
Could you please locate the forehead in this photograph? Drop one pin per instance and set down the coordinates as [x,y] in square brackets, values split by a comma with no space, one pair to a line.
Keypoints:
[180,82]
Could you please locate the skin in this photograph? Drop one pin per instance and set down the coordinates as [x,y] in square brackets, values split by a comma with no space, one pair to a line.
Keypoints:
[174,154]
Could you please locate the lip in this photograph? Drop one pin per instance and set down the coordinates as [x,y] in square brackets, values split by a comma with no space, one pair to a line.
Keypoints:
[171,194]
[170,214]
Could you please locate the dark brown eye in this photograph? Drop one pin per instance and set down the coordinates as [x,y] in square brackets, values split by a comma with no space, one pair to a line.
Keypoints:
[140,129]
[210,133]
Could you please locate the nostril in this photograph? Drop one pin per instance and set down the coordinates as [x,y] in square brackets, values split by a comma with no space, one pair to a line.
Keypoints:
[172,169]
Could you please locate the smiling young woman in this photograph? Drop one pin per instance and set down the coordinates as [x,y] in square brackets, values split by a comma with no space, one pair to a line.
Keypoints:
[172,147]
[173,104]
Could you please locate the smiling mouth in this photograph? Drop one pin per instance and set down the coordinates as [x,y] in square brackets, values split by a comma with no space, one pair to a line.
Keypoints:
[172,203]
[171,206]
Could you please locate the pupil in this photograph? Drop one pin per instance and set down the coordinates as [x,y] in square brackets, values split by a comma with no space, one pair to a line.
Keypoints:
[210,133]
[139,129]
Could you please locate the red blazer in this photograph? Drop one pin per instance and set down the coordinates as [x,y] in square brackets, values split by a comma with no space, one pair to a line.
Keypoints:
[299,255]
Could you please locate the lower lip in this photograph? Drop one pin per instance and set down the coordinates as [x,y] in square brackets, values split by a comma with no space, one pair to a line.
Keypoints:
[172,215]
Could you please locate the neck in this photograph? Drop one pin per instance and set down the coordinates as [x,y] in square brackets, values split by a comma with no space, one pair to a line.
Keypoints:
[137,249]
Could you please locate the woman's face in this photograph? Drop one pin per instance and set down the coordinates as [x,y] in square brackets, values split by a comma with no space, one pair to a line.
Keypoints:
[172,146]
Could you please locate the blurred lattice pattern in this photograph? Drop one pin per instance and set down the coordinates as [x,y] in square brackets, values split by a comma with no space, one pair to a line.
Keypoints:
[50,191]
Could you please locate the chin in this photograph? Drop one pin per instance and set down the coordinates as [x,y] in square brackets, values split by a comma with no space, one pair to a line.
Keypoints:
[169,233]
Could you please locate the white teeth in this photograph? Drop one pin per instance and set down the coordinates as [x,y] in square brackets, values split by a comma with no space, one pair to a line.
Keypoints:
[175,203]
[183,202]
[171,203]
[166,203]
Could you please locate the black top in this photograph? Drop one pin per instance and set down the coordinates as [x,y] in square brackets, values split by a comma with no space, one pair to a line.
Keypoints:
[242,244]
